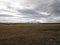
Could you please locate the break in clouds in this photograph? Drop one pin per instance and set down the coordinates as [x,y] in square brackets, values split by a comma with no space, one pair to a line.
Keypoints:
[22,11]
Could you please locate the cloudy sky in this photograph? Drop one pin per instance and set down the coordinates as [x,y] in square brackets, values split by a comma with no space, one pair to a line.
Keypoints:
[22,11]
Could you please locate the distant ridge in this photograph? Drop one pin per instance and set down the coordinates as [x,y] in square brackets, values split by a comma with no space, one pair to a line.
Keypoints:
[29,23]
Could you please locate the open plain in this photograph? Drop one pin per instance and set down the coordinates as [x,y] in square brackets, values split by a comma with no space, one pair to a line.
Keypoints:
[29,34]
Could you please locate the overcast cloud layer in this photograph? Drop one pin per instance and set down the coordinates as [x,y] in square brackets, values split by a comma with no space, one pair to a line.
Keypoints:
[21,11]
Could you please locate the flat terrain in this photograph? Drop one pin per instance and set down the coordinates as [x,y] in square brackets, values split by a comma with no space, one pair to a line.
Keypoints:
[29,34]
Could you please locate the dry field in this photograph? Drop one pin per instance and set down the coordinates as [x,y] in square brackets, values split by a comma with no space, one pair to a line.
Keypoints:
[29,34]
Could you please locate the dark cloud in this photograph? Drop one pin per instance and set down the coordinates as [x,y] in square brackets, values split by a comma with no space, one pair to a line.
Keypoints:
[40,6]
[56,8]
[29,12]
[5,15]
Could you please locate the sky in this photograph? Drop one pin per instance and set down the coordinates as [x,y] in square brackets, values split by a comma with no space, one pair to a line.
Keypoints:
[22,11]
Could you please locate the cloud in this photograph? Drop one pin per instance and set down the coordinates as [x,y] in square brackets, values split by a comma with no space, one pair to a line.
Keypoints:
[43,11]
[3,15]
[56,8]
[29,13]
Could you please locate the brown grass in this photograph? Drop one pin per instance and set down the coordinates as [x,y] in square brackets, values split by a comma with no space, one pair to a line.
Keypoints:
[29,34]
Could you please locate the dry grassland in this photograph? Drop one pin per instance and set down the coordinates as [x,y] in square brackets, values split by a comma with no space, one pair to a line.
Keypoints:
[29,34]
